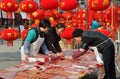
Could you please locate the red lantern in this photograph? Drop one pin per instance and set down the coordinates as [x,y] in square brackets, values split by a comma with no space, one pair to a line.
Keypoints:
[104,31]
[67,15]
[9,5]
[81,15]
[56,14]
[98,5]
[75,23]
[67,34]
[53,23]
[24,33]
[9,35]
[48,13]
[28,6]
[49,4]
[36,23]
[68,4]
[98,15]
[38,14]
[91,15]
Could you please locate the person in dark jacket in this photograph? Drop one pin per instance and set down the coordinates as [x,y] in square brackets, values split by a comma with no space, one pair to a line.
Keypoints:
[102,43]
[53,38]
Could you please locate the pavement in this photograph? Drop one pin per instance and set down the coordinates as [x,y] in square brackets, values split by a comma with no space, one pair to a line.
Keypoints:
[10,55]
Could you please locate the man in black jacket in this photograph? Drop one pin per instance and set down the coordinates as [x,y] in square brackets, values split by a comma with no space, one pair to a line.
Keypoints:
[104,45]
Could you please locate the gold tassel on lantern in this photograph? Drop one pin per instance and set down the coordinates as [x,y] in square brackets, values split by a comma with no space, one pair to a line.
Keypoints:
[9,43]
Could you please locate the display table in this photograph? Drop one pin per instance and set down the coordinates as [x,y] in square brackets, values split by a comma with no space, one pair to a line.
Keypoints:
[57,69]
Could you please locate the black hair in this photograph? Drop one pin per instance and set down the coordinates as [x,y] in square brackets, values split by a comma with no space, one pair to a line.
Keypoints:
[44,23]
[60,25]
[77,32]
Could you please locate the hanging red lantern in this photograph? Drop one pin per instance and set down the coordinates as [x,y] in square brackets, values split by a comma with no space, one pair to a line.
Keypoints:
[68,4]
[48,13]
[28,6]
[24,33]
[9,5]
[74,22]
[104,31]
[67,34]
[81,15]
[34,25]
[98,5]
[9,35]
[38,14]
[56,14]
[67,15]
[91,15]
[107,15]
[53,23]
[98,15]
[49,4]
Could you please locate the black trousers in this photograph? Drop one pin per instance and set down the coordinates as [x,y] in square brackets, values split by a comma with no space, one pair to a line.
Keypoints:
[109,62]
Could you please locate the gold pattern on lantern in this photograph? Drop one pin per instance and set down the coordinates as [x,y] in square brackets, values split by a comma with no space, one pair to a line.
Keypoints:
[30,5]
[105,2]
[16,5]
[9,35]
[56,12]
[63,3]
[93,4]
[51,19]
[9,4]
[15,34]
[23,6]
[35,14]
[9,28]
[2,34]
[79,20]
[68,26]
[78,16]
[2,5]
[108,12]
[83,15]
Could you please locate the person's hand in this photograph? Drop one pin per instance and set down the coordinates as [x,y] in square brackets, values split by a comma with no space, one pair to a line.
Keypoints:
[60,54]
[50,54]
[26,57]
[78,53]
[68,57]
[53,57]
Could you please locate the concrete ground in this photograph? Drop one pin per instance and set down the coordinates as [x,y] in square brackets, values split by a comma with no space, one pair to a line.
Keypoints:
[10,55]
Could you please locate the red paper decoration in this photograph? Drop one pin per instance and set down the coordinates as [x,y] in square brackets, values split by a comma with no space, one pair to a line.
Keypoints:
[28,6]
[9,5]
[98,5]
[68,4]
[49,4]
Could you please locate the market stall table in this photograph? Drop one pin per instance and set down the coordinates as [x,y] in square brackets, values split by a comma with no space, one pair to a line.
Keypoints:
[58,69]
